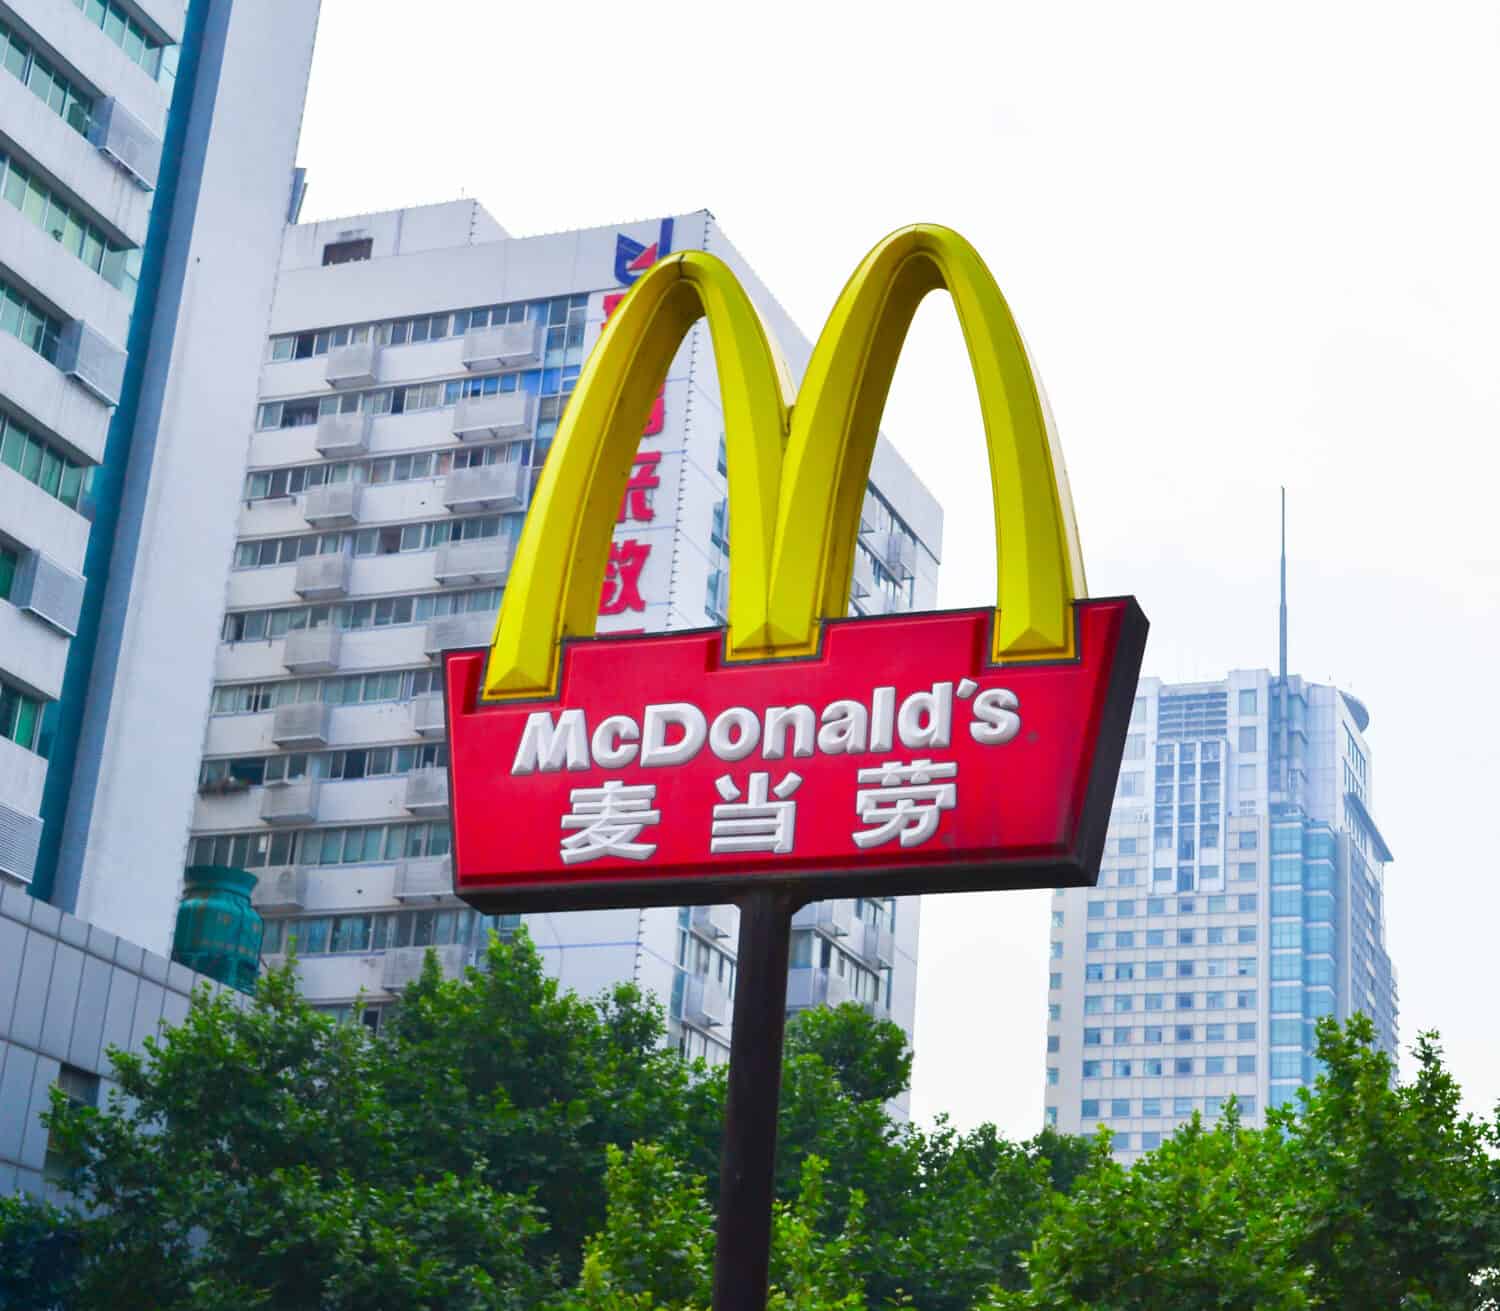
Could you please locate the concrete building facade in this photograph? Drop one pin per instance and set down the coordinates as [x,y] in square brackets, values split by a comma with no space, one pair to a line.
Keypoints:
[1241,898]
[414,370]
[146,154]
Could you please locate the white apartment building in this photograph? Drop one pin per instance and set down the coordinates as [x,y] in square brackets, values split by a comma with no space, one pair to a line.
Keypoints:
[414,370]
[1241,897]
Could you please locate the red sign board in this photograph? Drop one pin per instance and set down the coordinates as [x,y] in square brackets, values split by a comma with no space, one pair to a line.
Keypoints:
[898,759]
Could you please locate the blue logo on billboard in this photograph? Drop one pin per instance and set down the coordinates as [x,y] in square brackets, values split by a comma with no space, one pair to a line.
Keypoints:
[632,259]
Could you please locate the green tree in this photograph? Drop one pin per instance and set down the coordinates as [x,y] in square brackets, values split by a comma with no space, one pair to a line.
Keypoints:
[39,1255]
[1394,1195]
[870,1059]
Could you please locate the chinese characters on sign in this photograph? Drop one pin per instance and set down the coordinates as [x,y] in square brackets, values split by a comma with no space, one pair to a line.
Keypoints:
[904,806]
[627,559]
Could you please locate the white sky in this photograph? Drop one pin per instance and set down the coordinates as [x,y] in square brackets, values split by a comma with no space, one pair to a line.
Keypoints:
[1248,245]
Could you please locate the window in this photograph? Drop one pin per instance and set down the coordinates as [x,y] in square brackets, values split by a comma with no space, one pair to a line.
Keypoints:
[42,206]
[1213,1001]
[1093,1037]
[1182,1065]
[1125,940]
[1096,910]
[1245,1001]
[1122,1142]
[1156,937]
[1245,1032]
[1093,973]
[1093,1005]
[1122,1037]
[1186,969]
[1095,941]
[1125,910]
[1247,701]
[1054,981]
[159,60]
[1089,1108]
[1213,1033]
[1153,1001]
[1216,937]
[1052,1076]
[1135,746]
[81,1088]
[1123,971]
[1153,1033]
[1057,951]
[1124,1002]
[1249,840]
[8,561]
[1152,1068]
[49,86]
[1054,1011]
[1052,1117]
[1247,779]
[1213,1065]
[20,717]
[1244,1064]
[1150,1140]
[1052,1042]
[1156,969]
[1244,872]
[1091,1069]
[1119,1108]
[1150,1106]
[1247,737]
[1185,937]
[1184,1001]
[34,327]
[1127,846]
[1246,933]
[1244,967]
[1156,905]
[1057,919]
[1182,1033]
[1249,900]
[348,252]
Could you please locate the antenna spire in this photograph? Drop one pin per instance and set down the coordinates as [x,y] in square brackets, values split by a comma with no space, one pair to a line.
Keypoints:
[1283,584]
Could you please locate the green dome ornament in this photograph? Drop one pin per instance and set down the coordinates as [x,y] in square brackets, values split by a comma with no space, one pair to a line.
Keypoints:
[218,930]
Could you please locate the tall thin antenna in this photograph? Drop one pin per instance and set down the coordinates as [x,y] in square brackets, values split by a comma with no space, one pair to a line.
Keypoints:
[1283,584]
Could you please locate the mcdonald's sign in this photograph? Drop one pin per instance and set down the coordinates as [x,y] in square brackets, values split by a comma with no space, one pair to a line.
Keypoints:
[795,749]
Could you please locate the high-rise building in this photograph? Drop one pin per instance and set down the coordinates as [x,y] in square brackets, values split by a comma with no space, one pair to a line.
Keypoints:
[414,370]
[146,175]
[1241,897]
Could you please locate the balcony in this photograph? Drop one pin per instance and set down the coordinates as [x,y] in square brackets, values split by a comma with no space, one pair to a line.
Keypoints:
[312,650]
[705,1004]
[505,414]
[121,136]
[354,365]
[896,551]
[427,715]
[487,487]
[43,588]
[404,964]
[339,436]
[874,943]
[483,560]
[713,922]
[876,1010]
[92,360]
[322,576]
[865,588]
[332,505]
[833,919]
[422,880]
[454,632]
[302,725]
[816,987]
[427,790]
[290,803]
[505,346]
[284,888]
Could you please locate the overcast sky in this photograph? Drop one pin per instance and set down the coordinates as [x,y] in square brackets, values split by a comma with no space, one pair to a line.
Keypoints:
[1248,246]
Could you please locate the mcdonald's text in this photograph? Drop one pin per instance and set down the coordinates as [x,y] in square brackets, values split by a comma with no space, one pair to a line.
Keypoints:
[898,758]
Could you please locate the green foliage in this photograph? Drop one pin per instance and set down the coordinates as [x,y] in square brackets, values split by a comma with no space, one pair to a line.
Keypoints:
[504,1145]
[39,1255]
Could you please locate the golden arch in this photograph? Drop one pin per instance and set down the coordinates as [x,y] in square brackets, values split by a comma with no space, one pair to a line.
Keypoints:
[797,473]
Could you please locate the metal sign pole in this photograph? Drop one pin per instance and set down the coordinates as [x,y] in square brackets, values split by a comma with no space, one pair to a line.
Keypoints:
[747,1165]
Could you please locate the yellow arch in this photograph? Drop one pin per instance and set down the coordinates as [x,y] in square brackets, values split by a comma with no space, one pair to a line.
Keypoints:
[835,427]
[555,578]
[797,477]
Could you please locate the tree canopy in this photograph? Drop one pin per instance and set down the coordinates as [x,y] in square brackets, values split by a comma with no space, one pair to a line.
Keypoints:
[505,1144]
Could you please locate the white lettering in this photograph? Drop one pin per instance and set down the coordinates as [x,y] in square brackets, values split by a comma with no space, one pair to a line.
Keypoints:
[994,709]
[655,749]
[734,734]
[926,718]
[803,724]
[846,727]
[614,742]
[548,747]
[882,718]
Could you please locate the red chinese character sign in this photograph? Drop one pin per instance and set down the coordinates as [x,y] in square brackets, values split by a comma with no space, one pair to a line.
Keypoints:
[896,759]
